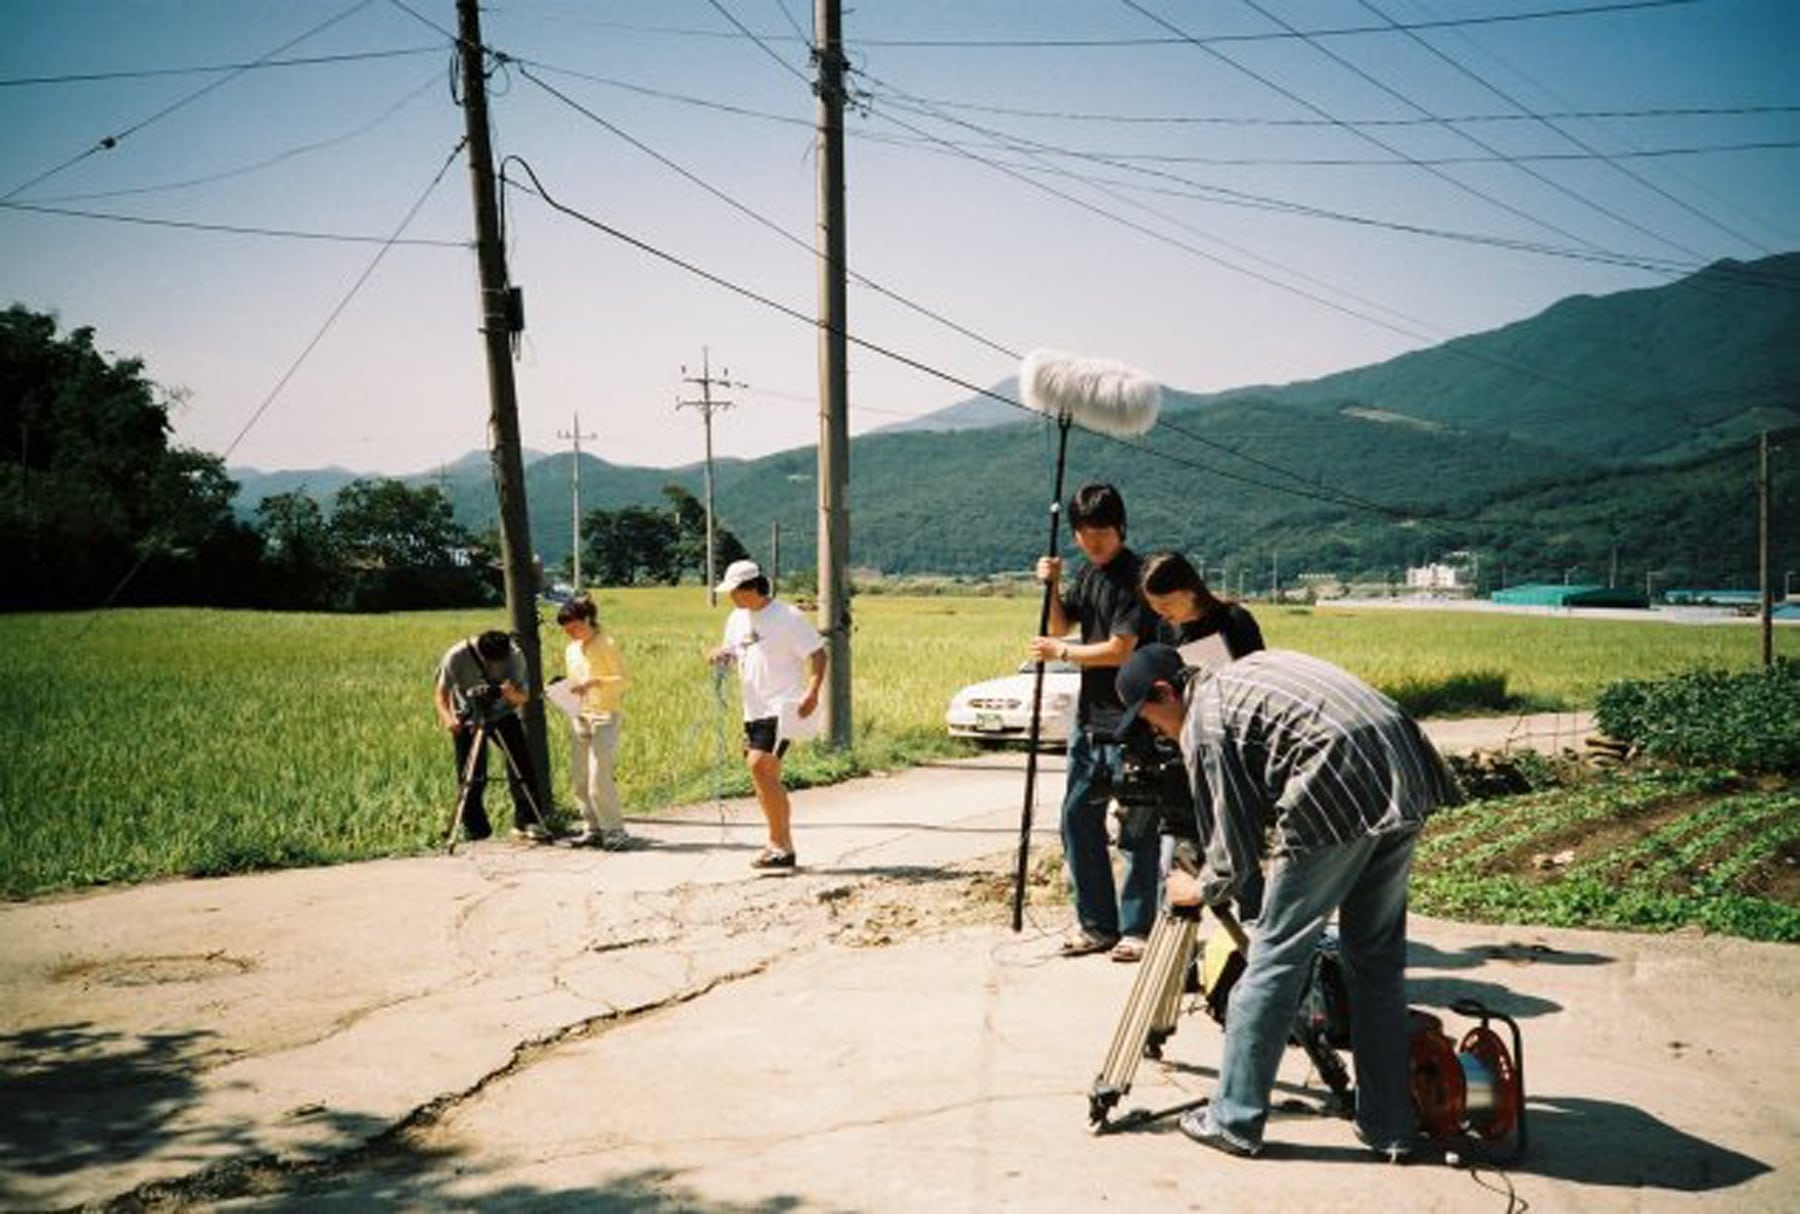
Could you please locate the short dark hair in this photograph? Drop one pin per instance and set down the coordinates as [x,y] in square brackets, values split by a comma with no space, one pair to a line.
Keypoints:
[759,583]
[1097,505]
[581,607]
[493,644]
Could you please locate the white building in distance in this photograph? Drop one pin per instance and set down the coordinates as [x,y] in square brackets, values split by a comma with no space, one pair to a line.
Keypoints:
[1435,577]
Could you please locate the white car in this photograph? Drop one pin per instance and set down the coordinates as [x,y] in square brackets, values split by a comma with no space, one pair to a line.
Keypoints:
[999,710]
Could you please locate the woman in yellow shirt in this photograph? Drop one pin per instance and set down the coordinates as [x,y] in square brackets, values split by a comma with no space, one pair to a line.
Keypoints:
[596,673]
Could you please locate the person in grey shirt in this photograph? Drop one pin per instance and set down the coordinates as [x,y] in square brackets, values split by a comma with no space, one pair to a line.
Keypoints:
[1289,754]
[482,681]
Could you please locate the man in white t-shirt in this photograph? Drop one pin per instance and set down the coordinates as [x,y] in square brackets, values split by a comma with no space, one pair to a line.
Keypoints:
[780,659]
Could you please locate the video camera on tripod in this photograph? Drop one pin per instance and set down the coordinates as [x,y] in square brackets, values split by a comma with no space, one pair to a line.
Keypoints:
[1153,790]
[480,699]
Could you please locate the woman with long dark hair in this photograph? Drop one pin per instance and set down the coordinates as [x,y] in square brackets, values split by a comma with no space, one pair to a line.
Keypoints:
[1189,610]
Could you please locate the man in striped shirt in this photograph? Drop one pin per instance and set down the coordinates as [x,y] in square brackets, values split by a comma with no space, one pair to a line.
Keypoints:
[1291,755]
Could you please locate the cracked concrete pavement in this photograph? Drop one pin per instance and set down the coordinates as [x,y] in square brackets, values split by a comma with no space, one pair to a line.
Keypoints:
[520,1027]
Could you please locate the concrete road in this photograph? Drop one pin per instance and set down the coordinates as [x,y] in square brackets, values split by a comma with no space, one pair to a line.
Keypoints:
[520,1027]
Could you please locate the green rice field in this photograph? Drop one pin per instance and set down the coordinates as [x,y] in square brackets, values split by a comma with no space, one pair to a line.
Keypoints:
[153,743]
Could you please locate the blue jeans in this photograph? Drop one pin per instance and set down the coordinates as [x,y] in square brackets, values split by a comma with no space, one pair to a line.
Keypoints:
[1093,768]
[1365,881]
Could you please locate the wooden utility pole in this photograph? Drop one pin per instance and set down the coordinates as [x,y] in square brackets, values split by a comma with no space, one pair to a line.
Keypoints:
[575,436]
[1762,546]
[708,406]
[501,318]
[834,376]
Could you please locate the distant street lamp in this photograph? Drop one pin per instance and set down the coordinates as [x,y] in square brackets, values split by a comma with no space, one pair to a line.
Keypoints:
[1568,573]
[1787,584]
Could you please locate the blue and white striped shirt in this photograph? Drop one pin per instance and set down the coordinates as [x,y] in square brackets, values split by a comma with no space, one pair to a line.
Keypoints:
[1283,742]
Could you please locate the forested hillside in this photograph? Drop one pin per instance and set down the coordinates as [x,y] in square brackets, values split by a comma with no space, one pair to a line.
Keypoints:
[1606,436]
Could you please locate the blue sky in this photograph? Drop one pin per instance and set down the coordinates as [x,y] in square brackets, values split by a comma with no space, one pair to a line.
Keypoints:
[1222,193]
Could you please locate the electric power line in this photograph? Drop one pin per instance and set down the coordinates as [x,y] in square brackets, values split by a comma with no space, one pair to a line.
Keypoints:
[109,142]
[757,217]
[208,69]
[1073,43]
[256,166]
[906,360]
[1585,146]
[231,229]
[1232,120]
[392,240]
[1231,197]
[761,43]
[1268,161]
[1270,83]
[306,352]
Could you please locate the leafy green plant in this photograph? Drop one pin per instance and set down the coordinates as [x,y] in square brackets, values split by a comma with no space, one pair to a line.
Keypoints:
[1747,720]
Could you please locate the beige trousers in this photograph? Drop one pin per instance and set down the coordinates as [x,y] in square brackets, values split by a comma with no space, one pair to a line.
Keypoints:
[594,748]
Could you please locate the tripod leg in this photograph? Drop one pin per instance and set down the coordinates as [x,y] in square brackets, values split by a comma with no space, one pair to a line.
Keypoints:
[1158,984]
[1168,1005]
[518,774]
[463,786]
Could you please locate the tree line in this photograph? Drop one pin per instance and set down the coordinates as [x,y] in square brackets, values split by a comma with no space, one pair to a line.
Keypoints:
[102,509]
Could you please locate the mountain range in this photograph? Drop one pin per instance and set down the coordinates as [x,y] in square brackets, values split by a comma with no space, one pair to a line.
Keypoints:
[1607,436]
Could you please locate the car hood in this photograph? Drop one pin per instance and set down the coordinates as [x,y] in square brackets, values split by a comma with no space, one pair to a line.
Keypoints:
[1013,687]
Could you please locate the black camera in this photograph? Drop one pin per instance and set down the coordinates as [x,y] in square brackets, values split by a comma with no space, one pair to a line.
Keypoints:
[484,695]
[1153,789]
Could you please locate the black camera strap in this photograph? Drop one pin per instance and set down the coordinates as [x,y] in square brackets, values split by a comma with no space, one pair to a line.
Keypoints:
[481,669]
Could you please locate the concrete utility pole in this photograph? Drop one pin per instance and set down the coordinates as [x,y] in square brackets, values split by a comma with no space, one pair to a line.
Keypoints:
[502,316]
[834,375]
[774,555]
[1762,536]
[576,436]
[708,406]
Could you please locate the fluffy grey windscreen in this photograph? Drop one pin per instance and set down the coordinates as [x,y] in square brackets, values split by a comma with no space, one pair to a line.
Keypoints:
[1093,393]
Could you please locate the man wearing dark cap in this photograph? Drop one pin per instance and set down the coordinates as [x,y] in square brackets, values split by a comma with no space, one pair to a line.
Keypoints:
[1287,748]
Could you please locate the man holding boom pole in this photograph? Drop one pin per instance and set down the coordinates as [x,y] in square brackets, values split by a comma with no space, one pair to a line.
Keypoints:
[1103,604]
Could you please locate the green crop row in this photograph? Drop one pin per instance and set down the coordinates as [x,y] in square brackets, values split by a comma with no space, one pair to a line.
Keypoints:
[1699,872]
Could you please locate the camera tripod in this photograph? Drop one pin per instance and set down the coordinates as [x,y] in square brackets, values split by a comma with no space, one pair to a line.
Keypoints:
[1470,1095]
[477,749]
[1155,1002]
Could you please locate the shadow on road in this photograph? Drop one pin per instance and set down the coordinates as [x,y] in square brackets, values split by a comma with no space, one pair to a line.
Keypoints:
[78,1097]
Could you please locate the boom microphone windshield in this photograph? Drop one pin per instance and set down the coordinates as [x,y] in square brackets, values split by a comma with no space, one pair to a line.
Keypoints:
[1093,393]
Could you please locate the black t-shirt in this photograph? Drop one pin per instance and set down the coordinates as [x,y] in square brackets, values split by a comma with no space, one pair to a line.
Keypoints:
[1104,600]
[1241,634]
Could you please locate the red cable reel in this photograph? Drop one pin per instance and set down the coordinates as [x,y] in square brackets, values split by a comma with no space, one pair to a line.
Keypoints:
[1472,1090]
